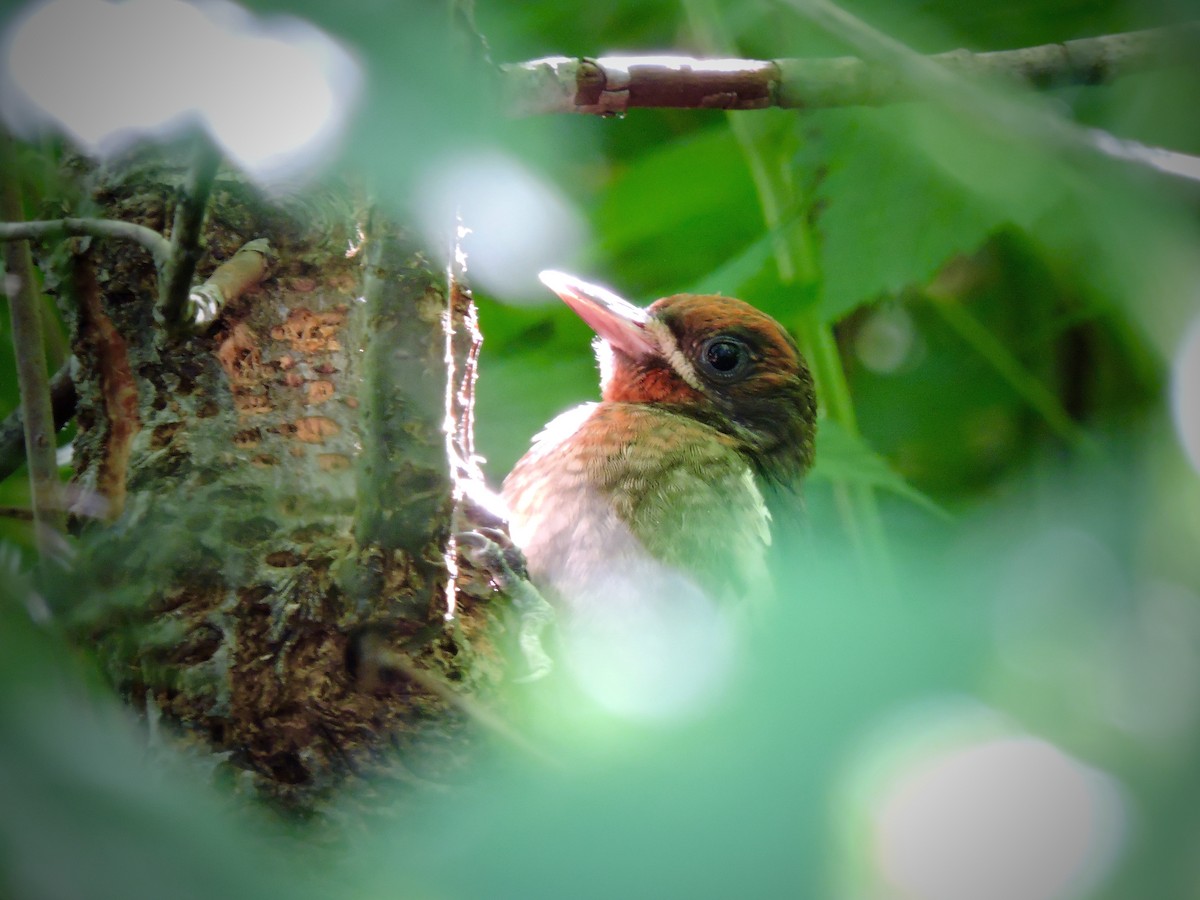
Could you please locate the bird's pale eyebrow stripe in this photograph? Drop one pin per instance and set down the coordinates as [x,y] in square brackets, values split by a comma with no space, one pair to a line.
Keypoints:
[666,341]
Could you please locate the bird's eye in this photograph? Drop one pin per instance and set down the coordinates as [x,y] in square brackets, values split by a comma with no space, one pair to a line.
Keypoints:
[724,357]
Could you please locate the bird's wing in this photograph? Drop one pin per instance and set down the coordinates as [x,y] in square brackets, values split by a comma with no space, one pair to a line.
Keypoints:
[699,508]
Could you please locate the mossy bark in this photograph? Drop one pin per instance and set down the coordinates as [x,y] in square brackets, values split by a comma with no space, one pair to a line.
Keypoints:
[254,500]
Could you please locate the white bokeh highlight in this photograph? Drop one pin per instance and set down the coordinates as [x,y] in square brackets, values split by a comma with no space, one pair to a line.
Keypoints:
[887,340]
[519,223]
[995,820]
[646,644]
[1185,393]
[274,94]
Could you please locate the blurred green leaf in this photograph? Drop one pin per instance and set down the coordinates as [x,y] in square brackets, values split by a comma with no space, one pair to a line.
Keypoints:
[908,189]
[673,210]
[843,457]
[1062,597]
[91,809]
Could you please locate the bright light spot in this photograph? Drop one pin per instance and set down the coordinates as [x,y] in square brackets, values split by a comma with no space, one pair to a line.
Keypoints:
[1006,818]
[519,224]
[1185,393]
[645,643]
[682,63]
[477,491]
[886,340]
[1147,672]
[274,94]
[354,247]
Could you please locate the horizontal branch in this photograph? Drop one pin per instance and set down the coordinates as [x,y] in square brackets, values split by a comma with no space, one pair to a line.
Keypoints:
[242,271]
[613,84]
[159,246]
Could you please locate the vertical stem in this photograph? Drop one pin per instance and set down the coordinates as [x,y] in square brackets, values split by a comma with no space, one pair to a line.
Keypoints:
[25,312]
[176,279]
[797,262]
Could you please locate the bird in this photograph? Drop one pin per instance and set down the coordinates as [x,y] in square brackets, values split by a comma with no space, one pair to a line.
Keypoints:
[707,418]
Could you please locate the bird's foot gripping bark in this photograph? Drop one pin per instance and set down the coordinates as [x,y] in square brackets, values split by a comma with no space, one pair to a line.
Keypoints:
[493,550]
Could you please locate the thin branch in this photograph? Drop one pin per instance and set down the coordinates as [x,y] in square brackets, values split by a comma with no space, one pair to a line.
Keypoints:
[242,271]
[176,281]
[26,320]
[63,399]
[159,246]
[797,262]
[613,84]
[996,111]
[850,81]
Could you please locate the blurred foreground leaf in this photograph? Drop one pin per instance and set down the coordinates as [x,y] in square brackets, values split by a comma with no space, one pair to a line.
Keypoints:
[91,811]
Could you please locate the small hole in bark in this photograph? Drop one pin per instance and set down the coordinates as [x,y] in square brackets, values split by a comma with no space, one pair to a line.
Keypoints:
[287,768]
[353,657]
[216,732]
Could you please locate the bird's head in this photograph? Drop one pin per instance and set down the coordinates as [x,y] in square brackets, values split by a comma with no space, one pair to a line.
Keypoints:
[713,358]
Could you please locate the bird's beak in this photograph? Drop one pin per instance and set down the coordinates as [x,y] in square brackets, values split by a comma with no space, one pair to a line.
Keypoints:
[616,320]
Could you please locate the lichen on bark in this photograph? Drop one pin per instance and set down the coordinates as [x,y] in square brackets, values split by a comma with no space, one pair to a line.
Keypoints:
[255,500]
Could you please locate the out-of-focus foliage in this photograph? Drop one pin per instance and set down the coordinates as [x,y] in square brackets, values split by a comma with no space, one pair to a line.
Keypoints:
[94,809]
[1007,317]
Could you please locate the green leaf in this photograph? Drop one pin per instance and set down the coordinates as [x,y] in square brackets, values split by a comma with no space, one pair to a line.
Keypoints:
[908,189]
[842,457]
[675,210]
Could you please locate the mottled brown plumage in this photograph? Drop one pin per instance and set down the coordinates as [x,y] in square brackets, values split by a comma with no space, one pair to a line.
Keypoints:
[707,410]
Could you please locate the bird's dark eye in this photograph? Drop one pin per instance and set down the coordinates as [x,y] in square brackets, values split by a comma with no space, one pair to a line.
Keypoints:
[724,357]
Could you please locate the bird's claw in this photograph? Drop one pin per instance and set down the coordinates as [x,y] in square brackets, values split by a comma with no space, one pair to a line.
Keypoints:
[492,550]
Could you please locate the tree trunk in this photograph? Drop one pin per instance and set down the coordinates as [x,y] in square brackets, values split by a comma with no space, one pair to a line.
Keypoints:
[266,508]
